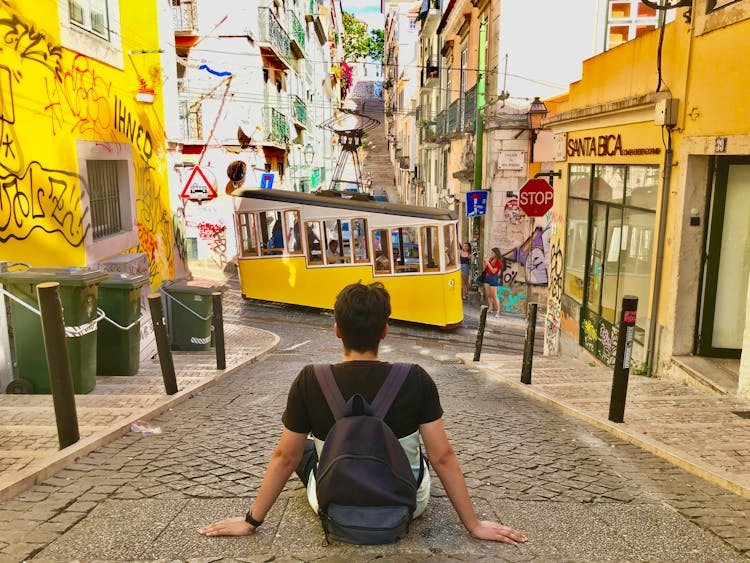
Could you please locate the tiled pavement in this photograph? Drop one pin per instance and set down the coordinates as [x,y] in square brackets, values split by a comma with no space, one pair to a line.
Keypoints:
[28,433]
[708,435]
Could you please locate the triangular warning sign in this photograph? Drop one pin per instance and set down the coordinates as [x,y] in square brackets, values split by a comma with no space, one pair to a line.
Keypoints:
[198,188]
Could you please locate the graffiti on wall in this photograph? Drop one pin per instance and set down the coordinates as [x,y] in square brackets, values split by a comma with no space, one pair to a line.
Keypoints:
[554,297]
[530,255]
[77,95]
[216,236]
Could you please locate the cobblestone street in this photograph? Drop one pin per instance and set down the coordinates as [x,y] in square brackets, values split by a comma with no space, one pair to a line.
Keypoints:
[578,493]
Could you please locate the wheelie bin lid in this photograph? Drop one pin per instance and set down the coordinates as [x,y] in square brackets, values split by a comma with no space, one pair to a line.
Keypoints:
[199,287]
[124,280]
[78,277]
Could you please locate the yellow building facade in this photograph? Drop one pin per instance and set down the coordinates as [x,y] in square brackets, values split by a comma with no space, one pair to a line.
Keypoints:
[653,146]
[83,166]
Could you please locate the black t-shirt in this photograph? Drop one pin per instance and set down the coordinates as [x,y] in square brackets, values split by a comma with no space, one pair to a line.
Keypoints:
[417,401]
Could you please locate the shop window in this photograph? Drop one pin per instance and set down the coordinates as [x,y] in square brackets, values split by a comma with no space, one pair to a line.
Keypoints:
[314,249]
[248,234]
[382,251]
[293,234]
[609,243]
[430,250]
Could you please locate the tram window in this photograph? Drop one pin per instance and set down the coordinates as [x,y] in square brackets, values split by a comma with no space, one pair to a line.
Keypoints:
[359,240]
[430,249]
[271,232]
[293,236]
[314,252]
[405,249]
[248,236]
[451,248]
[338,241]
[382,250]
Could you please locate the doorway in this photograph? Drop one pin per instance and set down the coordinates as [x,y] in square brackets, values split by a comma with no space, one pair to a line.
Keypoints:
[727,266]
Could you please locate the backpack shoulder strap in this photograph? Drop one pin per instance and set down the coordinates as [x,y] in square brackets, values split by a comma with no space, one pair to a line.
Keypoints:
[390,388]
[331,391]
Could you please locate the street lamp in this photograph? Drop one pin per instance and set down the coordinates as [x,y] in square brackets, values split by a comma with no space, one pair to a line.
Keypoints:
[536,112]
[308,154]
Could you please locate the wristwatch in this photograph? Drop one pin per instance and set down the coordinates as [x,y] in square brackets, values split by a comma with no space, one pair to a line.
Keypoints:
[252,521]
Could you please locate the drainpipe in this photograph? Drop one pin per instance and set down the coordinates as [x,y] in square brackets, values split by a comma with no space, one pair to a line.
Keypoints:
[656,295]
[479,127]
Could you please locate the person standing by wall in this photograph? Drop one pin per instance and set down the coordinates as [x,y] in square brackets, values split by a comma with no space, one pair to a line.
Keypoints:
[465,260]
[493,265]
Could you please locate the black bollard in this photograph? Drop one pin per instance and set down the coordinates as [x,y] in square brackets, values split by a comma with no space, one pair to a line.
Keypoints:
[629,309]
[480,332]
[528,348]
[218,321]
[162,343]
[60,377]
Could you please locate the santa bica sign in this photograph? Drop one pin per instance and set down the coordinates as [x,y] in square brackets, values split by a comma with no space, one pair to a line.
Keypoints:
[604,145]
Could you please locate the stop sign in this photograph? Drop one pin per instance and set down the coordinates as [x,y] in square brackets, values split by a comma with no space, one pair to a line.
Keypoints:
[535,197]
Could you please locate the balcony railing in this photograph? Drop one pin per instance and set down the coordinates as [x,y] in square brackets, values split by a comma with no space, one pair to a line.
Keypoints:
[184,16]
[469,109]
[297,36]
[276,126]
[300,111]
[453,117]
[273,38]
[440,124]
[190,120]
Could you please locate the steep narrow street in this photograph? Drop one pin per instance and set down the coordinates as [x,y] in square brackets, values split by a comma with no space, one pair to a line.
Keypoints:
[368,96]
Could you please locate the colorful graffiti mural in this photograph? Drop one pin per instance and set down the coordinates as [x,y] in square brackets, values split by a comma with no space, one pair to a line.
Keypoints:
[68,97]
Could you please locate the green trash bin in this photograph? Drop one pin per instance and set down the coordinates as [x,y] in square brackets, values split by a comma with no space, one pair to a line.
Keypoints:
[189,311]
[78,293]
[118,346]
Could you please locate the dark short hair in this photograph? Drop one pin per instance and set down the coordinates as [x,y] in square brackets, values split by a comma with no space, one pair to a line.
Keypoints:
[361,312]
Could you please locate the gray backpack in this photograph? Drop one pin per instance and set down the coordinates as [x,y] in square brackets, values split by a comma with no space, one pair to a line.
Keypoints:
[366,489]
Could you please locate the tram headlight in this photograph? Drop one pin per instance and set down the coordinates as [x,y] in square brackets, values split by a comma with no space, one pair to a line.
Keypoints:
[451,283]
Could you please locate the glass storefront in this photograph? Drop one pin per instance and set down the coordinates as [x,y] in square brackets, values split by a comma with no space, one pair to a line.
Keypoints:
[609,248]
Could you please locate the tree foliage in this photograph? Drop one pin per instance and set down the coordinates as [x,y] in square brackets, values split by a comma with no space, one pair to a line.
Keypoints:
[358,44]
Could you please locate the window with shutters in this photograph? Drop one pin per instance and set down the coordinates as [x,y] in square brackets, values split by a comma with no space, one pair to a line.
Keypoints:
[92,28]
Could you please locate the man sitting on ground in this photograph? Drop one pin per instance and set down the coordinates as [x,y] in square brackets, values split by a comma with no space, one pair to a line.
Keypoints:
[361,317]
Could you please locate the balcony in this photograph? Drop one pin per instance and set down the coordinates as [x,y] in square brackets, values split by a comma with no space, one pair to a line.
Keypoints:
[275,126]
[191,129]
[297,36]
[454,111]
[430,16]
[300,112]
[313,15]
[440,125]
[274,42]
[185,21]
[428,132]
[469,113]
[430,75]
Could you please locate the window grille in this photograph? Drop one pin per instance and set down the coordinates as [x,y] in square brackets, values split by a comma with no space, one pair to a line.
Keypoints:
[104,194]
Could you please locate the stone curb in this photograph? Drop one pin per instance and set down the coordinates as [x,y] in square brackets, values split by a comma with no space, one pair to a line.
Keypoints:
[24,480]
[680,459]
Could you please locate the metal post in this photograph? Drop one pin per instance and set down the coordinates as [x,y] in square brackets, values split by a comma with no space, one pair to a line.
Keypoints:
[622,359]
[60,378]
[480,332]
[528,349]
[218,321]
[162,343]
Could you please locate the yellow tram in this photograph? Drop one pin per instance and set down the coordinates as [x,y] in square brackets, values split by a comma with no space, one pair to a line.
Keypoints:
[302,249]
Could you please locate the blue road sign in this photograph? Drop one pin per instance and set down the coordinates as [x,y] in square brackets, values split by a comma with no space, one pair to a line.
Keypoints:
[266,180]
[476,203]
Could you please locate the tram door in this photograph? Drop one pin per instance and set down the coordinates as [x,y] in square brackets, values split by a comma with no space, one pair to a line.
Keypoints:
[725,279]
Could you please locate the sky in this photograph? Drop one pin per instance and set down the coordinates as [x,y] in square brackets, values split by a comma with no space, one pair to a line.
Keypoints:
[365,10]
